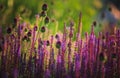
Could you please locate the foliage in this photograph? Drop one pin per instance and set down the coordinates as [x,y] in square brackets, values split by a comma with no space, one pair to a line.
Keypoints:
[59,11]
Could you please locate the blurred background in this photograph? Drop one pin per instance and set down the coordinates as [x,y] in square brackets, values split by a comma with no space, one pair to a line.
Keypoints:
[105,12]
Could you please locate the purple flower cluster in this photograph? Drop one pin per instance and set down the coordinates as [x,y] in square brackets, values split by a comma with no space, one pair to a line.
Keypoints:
[25,53]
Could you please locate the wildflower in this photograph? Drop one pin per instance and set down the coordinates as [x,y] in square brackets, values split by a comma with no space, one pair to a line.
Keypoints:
[9,30]
[58,44]
[43,29]
[29,33]
[25,30]
[35,28]
[26,38]
[48,43]
[43,14]
[94,23]
[56,36]
[71,35]
[44,7]
[46,20]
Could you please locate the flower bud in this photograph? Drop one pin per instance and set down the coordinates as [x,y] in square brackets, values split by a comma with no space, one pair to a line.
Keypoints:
[58,44]
[43,29]
[47,43]
[44,7]
[24,38]
[56,36]
[94,23]
[35,28]
[43,14]
[29,34]
[46,20]
[25,30]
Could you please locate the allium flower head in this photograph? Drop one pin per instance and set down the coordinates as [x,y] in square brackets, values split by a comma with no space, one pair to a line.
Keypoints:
[44,7]
[29,34]
[35,28]
[43,14]
[43,29]
[46,20]
[94,23]
[26,38]
[56,36]
[25,30]
[58,44]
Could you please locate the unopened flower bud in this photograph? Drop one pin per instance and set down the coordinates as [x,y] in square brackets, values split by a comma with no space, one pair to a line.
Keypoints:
[58,44]
[35,28]
[43,14]
[46,20]
[47,43]
[44,7]
[43,29]
[29,34]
